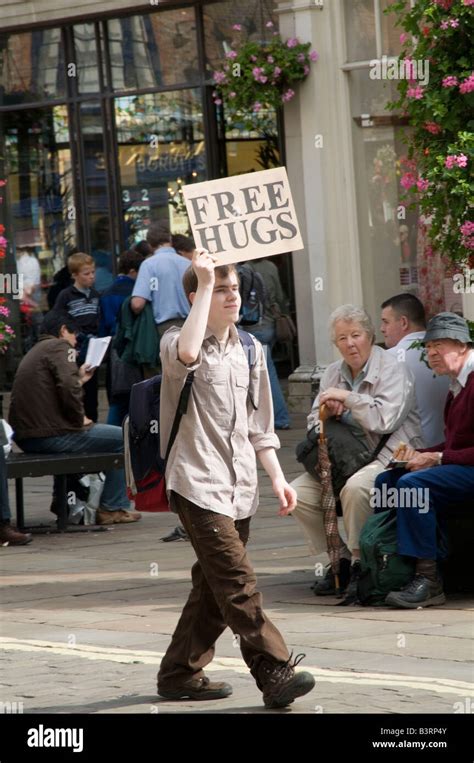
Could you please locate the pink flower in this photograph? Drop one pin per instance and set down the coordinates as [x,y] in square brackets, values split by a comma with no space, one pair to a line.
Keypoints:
[422,184]
[10,331]
[450,81]
[403,38]
[232,95]
[4,311]
[269,24]
[2,337]
[3,241]
[2,183]
[231,54]
[444,24]
[454,23]
[306,69]
[237,27]
[453,160]
[253,58]
[217,101]
[467,228]
[408,180]
[468,2]
[256,71]
[262,79]
[313,55]
[292,42]
[219,77]
[432,127]
[257,106]
[276,71]
[301,58]
[270,59]
[288,95]
[468,85]
[415,92]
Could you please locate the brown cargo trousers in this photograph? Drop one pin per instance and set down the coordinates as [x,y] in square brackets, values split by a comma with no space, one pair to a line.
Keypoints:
[223,594]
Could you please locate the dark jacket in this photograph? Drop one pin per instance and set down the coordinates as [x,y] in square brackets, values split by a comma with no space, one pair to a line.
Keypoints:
[84,311]
[111,300]
[61,280]
[137,339]
[46,397]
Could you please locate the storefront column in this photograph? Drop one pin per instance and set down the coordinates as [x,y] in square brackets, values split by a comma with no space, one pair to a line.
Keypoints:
[320,169]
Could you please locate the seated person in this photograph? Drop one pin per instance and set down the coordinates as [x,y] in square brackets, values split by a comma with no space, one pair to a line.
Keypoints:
[47,412]
[373,394]
[403,322]
[438,476]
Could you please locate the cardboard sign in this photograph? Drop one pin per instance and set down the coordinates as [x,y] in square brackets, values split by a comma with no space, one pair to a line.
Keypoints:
[244,217]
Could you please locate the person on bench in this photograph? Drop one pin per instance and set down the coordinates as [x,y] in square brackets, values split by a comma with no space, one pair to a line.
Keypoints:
[47,412]
[435,477]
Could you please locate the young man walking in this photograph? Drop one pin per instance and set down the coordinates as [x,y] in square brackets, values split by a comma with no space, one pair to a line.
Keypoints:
[212,485]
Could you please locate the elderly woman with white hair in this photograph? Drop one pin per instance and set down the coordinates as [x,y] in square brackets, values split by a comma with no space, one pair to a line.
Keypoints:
[373,393]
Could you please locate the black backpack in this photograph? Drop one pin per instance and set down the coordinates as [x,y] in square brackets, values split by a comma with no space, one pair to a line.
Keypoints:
[144,466]
[253,294]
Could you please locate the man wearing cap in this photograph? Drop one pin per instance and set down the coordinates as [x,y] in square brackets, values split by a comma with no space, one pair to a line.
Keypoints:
[444,473]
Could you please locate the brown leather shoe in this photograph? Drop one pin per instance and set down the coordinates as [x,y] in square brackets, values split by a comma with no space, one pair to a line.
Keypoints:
[12,537]
[116,517]
[198,688]
[280,684]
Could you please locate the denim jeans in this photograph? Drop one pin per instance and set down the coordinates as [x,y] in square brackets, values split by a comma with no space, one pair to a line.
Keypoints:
[267,337]
[99,438]
[420,505]
[117,411]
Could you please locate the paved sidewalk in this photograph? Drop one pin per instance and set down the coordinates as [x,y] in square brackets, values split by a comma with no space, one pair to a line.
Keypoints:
[87,617]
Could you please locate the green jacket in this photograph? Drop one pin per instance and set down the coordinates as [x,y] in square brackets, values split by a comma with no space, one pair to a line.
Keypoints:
[137,339]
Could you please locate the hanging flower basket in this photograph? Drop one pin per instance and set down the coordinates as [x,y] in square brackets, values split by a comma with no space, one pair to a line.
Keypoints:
[257,76]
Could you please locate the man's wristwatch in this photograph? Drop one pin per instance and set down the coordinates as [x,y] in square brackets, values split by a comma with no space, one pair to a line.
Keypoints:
[440,459]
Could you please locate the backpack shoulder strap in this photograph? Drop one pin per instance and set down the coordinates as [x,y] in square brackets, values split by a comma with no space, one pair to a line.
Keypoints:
[248,343]
[180,411]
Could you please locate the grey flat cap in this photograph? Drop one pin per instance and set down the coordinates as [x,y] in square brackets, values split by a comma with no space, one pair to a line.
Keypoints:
[447,326]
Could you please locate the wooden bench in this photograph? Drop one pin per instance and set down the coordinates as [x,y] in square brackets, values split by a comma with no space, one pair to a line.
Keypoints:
[21,465]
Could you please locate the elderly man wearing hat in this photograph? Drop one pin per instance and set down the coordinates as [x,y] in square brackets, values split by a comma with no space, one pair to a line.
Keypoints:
[444,473]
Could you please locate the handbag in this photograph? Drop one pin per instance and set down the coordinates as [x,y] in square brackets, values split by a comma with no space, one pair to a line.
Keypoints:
[347,452]
[285,329]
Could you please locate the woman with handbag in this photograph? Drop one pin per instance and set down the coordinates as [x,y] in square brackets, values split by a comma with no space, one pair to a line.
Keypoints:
[369,397]
[274,316]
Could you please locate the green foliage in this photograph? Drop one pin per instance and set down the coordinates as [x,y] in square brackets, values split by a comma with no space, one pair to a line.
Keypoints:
[257,76]
[439,175]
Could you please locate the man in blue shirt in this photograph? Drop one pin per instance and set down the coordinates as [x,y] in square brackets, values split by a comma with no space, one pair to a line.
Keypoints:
[159,281]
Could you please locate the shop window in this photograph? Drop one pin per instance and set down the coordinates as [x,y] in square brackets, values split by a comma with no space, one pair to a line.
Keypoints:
[39,209]
[219,18]
[154,50]
[31,67]
[161,148]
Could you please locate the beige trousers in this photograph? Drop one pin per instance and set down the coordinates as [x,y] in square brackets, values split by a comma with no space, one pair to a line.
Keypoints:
[355,501]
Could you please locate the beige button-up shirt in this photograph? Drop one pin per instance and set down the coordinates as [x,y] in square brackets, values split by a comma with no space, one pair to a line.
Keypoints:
[212,462]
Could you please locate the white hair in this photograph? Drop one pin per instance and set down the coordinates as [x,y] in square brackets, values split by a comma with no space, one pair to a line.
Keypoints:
[351,314]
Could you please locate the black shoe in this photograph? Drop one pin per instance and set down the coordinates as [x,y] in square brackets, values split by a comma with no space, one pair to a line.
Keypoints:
[420,592]
[351,596]
[280,684]
[327,586]
[179,533]
[198,689]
